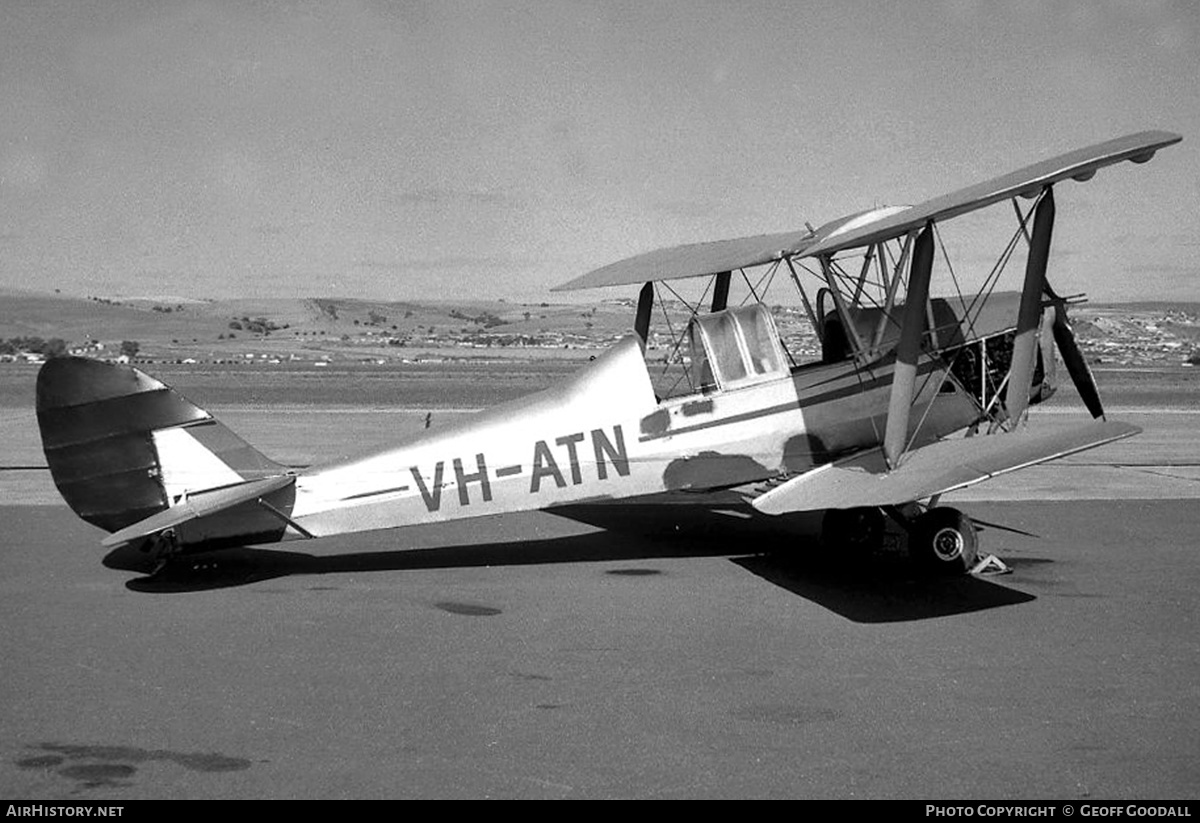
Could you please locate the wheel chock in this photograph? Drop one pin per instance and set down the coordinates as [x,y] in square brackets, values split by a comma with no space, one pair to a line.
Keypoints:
[991,565]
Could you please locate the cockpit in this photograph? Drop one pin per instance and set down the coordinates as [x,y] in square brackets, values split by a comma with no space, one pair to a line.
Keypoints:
[734,348]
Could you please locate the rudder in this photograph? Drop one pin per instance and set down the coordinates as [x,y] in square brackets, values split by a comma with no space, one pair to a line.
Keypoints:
[123,446]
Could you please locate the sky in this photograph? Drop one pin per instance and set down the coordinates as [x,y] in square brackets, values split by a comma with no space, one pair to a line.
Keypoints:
[444,150]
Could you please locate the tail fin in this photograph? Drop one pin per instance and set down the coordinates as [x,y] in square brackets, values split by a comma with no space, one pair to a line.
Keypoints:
[122,446]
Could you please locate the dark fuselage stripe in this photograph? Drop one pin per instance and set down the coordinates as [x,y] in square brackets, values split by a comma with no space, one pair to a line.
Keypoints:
[724,421]
[373,494]
[803,403]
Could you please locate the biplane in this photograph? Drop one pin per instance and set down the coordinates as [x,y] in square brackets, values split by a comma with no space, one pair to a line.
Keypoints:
[902,397]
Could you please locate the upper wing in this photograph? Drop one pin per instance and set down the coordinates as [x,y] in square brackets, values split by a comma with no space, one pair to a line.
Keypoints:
[693,260]
[1079,165]
[700,259]
[863,480]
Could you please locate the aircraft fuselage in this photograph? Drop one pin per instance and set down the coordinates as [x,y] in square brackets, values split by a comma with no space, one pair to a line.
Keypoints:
[605,436]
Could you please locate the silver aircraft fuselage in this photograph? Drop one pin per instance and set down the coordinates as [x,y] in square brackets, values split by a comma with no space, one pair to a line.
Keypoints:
[604,435]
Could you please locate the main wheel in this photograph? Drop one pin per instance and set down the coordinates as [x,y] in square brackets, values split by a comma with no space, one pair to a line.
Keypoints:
[944,541]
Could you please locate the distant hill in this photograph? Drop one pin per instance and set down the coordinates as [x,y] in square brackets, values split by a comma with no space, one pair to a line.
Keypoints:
[304,328]
[314,327]
[24,314]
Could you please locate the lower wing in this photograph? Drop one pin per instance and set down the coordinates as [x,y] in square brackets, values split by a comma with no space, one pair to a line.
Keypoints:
[864,479]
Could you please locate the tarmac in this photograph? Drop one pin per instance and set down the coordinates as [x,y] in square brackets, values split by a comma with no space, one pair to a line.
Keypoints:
[534,656]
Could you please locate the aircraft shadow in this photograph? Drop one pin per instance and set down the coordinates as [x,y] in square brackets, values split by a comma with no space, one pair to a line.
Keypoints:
[877,591]
[884,591]
[224,568]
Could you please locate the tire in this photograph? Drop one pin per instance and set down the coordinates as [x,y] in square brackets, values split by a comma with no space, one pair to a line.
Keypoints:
[944,541]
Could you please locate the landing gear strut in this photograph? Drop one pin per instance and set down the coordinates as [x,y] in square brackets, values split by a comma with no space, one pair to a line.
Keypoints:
[858,530]
[941,540]
[162,548]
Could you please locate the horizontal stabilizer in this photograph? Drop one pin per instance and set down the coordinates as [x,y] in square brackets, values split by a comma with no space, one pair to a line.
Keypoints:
[199,504]
[946,465]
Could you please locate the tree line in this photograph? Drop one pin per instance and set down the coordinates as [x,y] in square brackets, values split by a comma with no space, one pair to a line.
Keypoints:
[53,347]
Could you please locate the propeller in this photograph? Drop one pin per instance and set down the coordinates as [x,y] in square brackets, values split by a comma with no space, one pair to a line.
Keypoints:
[1073,359]
[1046,359]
